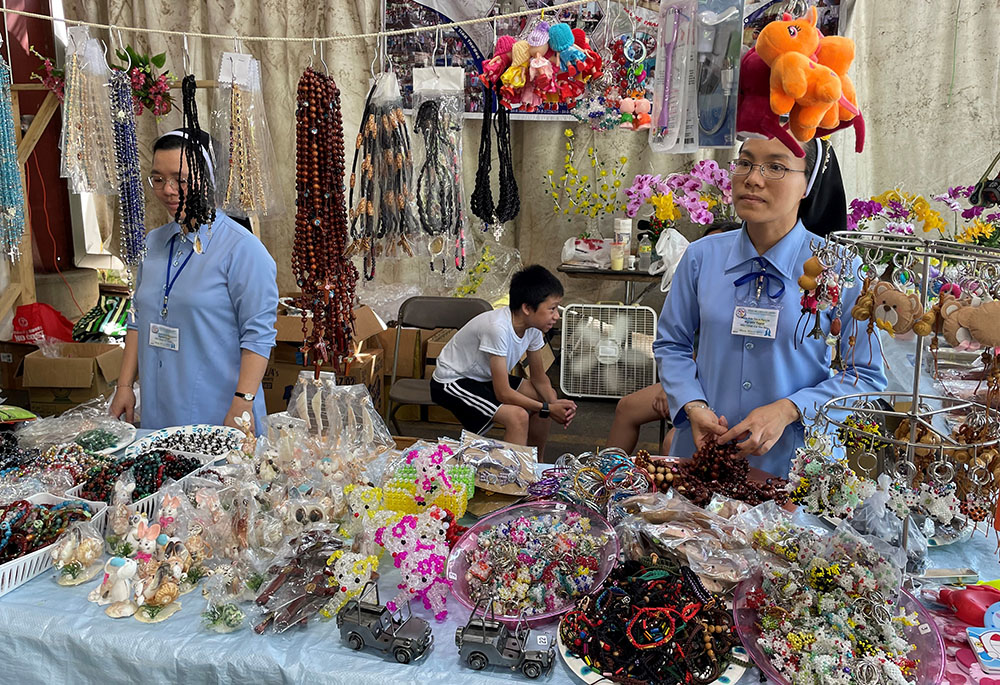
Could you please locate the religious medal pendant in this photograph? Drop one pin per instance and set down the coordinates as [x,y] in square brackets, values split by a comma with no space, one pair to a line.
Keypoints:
[197,243]
[163,312]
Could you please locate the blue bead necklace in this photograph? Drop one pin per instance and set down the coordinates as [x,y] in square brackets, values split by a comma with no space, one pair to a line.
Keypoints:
[132,205]
[11,192]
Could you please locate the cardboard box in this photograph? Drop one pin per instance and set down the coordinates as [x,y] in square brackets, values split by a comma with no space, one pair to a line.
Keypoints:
[81,372]
[12,356]
[280,378]
[366,324]
[412,343]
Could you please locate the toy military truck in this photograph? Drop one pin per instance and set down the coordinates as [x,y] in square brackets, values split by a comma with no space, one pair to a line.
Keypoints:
[364,624]
[485,641]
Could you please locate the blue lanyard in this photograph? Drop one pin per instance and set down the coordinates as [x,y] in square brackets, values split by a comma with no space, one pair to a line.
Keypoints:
[763,278]
[169,285]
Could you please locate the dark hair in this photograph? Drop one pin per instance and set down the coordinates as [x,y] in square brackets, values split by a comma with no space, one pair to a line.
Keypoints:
[176,142]
[722,226]
[532,285]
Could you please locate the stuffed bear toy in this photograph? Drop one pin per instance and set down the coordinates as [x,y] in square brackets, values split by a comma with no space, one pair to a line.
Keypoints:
[893,311]
[966,326]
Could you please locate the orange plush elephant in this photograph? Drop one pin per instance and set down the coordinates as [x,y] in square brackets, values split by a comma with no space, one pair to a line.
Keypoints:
[808,81]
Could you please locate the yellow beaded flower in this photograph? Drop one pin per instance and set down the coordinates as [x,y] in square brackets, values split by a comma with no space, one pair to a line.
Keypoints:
[594,194]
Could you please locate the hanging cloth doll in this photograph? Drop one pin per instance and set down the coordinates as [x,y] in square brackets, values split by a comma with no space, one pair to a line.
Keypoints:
[515,77]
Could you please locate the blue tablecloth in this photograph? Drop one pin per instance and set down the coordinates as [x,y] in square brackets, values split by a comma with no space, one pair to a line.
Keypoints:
[52,634]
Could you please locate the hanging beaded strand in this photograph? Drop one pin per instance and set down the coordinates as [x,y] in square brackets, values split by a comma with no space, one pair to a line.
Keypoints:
[481,201]
[322,268]
[197,203]
[11,191]
[132,204]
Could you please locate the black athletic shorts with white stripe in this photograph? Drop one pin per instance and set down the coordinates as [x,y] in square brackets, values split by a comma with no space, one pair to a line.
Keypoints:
[473,403]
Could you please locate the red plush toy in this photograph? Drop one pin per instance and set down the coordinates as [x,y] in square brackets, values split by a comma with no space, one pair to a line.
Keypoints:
[498,64]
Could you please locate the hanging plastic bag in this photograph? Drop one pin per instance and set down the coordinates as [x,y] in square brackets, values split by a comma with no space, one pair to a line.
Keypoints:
[439,107]
[675,80]
[670,246]
[245,184]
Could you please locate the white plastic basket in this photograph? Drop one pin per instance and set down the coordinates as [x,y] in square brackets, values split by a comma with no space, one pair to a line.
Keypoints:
[150,504]
[15,573]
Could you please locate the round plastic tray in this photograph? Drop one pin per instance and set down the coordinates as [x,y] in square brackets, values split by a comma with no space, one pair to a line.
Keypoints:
[925,636]
[457,564]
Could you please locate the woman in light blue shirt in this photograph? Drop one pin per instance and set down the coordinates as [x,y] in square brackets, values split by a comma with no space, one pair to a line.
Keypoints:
[204,323]
[753,385]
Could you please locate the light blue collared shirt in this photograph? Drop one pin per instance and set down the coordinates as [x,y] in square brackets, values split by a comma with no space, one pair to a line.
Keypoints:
[225,300]
[736,374]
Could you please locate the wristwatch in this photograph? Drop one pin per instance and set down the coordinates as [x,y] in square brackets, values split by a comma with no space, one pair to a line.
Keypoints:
[248,396]
[543,413]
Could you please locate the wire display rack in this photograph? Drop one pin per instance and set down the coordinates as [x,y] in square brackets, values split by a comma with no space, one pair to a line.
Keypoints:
[949,455]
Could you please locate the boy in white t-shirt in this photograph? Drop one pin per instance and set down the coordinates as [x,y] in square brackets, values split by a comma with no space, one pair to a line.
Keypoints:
[473,379]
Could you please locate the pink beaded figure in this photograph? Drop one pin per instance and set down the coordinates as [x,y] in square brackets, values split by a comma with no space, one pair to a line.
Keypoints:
[431,474]
[419,550]
[498,64]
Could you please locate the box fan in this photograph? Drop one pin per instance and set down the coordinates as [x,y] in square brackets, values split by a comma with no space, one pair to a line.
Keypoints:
[607,350]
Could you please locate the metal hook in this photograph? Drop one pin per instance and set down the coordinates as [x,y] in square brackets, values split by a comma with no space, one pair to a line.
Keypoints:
[371,67]
[437,39]
[186,58]
[322,57]
[106,62]
[121,42]
[313,56]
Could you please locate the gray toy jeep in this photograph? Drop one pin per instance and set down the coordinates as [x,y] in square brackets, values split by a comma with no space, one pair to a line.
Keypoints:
[485,641]
[363,624]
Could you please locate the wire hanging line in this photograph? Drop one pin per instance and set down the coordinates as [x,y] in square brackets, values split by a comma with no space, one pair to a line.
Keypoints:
[305,39]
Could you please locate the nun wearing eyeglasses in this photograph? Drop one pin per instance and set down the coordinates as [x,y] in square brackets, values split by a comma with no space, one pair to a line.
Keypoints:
[755,376]
[206,301]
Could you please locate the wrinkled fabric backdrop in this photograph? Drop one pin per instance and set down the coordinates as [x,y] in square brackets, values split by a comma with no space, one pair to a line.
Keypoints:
[926,73]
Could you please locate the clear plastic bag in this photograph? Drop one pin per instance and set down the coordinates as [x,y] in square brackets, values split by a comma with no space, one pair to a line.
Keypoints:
[674,81]
[718,549]
[78,555]
[221,614]
[87,141]
[876,519]
[488,278]
[245,183]
[439,107]
[500,466]
[75,424]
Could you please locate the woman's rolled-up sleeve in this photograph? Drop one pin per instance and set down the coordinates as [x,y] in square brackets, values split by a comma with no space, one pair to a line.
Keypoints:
[253,289]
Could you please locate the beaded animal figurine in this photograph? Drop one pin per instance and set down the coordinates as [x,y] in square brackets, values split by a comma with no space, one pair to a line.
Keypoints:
[419,550]
[350,573]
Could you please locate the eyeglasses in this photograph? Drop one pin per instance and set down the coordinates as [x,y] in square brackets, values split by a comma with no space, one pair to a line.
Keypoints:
[772,171]
[158,182]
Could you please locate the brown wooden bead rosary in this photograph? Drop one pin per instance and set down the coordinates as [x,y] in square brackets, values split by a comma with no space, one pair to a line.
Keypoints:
[322,268]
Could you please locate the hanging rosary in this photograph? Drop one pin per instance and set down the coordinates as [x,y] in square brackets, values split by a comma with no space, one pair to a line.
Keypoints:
[197,203]
[132,202]
[439,177]
[11,192]
[481,201]
[320,262]
[87,140]
[382,218]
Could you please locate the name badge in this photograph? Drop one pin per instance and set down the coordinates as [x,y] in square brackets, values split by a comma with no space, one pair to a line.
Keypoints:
[755,322]
[167,337]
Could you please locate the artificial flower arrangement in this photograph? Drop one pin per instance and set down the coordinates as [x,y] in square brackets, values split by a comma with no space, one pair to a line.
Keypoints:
[149,90]
[586,194]
[895,212]
[980,228]
[705,193]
